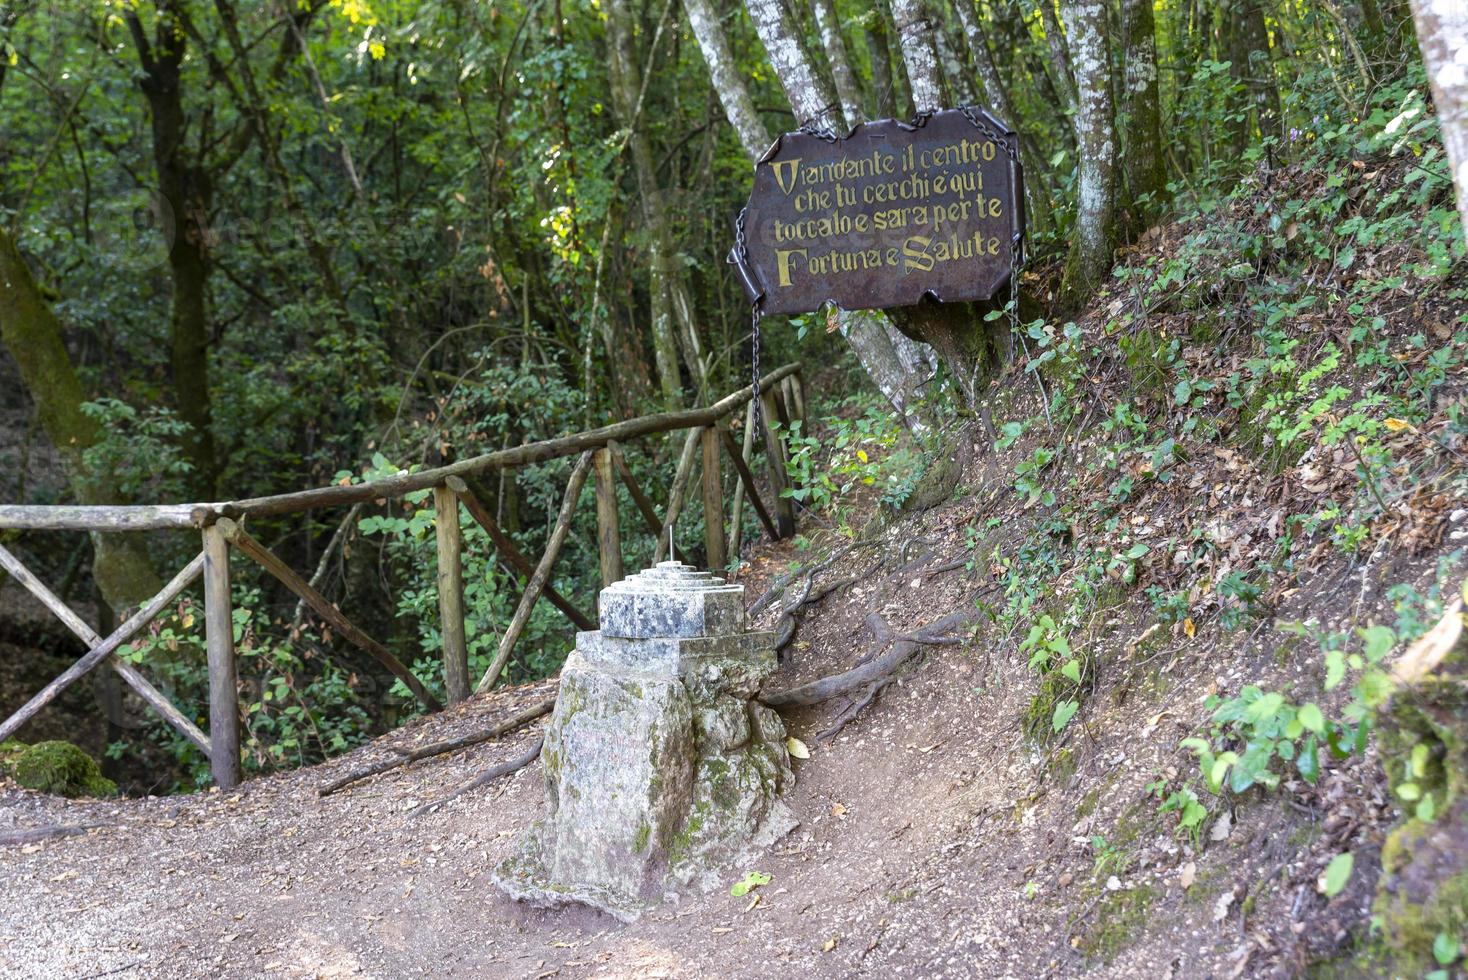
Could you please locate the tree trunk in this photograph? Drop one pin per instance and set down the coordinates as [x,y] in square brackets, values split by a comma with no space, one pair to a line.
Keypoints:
[915,36]
[815,105]
[186,189]
[835,46]
[665,279]
[879,52]
[1095,233]
[33,335]
[960,80]
[1442,33]
[1066,82]
[1252,67]
[728,82]
[994,93]
[1145,175]
[973,348]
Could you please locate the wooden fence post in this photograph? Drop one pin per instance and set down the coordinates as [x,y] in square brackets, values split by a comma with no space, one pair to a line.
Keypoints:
[713,502]
[224,708]
[451,594]
[608,531]
[775,455]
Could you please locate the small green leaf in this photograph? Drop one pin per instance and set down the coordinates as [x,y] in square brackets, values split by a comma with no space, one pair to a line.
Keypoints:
[1072,670]
[1426,809]
[1379,641]
[1311,718]
[751,881]
[1409,791]
[796,748]
[1064,711]
[1335,668]
[1445,949]
[1337,873]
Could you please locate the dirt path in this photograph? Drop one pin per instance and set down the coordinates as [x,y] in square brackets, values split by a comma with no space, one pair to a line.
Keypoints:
[935,841]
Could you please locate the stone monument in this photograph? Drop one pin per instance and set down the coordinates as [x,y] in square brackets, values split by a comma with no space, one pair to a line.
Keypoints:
[661,770]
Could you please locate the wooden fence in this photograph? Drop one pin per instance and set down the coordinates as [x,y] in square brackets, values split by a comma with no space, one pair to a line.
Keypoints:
[600,457]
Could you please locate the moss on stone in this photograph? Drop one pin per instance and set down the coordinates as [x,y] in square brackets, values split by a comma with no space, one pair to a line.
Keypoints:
[644,834]
[61,768]
[1120,917]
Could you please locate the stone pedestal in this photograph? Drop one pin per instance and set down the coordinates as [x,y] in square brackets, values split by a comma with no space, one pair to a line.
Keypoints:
[661,771]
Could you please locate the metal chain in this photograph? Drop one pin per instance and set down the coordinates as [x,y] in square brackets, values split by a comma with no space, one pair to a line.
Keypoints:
[754,382]
[810,128]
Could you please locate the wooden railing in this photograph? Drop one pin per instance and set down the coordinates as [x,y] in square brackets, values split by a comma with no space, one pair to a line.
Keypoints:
[599,457]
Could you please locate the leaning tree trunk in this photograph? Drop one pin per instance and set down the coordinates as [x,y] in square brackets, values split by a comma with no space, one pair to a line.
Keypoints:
[1145,176]
[1442,33]
[33,336]
[1095,230]
[728,82]
[1066,81]
[879,53]
[185,188]
[666,285]
[885,354]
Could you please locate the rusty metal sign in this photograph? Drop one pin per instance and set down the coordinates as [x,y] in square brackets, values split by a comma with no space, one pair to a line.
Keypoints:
[891,213]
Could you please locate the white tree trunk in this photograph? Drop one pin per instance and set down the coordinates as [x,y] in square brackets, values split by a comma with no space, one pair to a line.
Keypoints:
[994,94]
[919,54]
[814,103]
[835,45]
[728,83]
[1442,33]
[1090,251]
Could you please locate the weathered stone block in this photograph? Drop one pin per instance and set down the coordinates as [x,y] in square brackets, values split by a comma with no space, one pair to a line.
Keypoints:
[660,771]
[671,600]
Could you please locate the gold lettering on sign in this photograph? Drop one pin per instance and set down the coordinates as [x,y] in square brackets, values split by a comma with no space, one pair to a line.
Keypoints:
[782,262]
[785,171]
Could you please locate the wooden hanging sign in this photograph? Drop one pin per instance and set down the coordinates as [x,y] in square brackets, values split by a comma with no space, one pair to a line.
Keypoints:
[884,216]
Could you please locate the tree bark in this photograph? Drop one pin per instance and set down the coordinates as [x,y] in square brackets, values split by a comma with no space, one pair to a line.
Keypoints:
[33,335]
[1066,82]
[1095,232]
[885,94]
[672,309]
[1252,67]
[724,73]
[876,342]
[1442,33]
[185,187]
[847,90]
[915,36]
[1145,175]
[813,101]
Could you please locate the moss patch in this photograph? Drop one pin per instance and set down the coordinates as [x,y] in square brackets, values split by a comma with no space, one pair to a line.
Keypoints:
[1120,918]
[61,768]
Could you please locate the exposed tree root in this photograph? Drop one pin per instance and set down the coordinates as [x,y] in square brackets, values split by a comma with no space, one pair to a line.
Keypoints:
[489,775]
[855,708]
[510,724]
[31,835]
[876,668]
[777,588]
